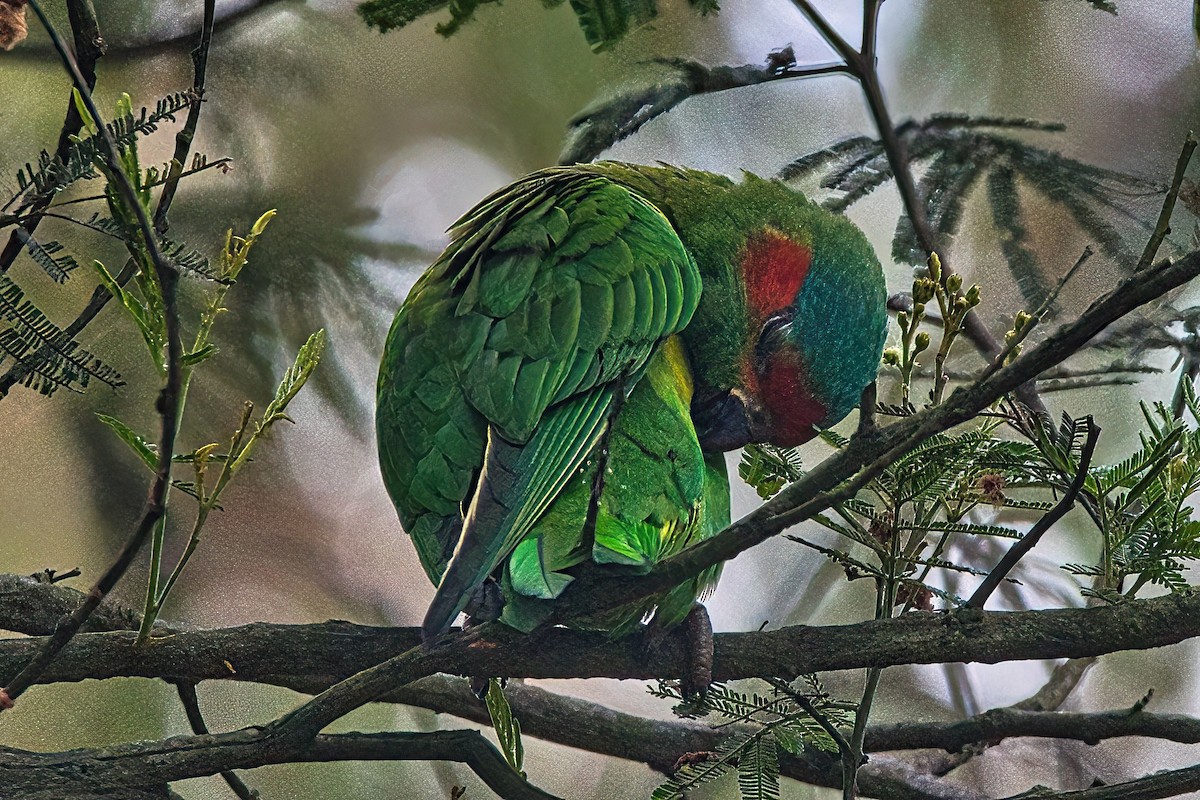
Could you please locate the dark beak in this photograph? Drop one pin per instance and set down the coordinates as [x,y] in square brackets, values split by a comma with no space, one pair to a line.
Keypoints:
[724,422]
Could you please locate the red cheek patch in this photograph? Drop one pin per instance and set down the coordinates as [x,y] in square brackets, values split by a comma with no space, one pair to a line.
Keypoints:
[774,267]
[793,409]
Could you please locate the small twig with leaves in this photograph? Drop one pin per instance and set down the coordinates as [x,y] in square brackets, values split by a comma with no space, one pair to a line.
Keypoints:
[1030,539]
[127,198]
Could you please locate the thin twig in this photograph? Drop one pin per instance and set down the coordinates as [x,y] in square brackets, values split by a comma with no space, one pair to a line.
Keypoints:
[183,139]
[167,399]
[845,750]
[191,706]
[1020,549]
[183,144]
[1163,226]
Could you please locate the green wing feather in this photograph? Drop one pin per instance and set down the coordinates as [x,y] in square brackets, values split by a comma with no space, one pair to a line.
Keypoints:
[660,494]
[499,372]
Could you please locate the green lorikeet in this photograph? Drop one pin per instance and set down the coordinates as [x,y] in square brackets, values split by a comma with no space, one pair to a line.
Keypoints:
[560,385]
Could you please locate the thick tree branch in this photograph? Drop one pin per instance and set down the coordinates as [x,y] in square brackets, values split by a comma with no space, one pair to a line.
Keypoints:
[1004,723]
[1172,783]
[43,776]
[310,658]
[304,656]
[32,605]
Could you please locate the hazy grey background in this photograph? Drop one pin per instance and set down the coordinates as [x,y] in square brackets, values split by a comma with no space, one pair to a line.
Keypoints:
[370,146]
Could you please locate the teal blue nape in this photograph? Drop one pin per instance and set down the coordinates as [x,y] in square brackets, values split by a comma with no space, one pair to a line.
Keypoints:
[668,314]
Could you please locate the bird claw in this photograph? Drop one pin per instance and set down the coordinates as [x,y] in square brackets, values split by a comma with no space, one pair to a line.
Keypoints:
[486,603]
[699,631]
[697,628]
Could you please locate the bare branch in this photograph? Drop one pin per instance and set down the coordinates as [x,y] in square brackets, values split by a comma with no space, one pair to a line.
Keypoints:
[1002,723]
[1171,783]
[43,776]
[598,128]
[1163,226]
[309,658]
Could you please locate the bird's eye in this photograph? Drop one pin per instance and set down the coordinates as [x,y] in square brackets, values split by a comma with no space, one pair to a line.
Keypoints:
[773,332]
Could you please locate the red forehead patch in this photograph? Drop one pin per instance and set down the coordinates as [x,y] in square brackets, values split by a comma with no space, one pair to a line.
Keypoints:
[774,267]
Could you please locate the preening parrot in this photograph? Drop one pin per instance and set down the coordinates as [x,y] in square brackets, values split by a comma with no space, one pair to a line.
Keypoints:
[562,383]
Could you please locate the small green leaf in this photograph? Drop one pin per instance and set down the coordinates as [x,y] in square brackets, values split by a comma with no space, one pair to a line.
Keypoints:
[306,361]
[85,116]
[789,740]
[758,769]
[507,727]
[197,356]
[768,469]
[144,449]
[152,328]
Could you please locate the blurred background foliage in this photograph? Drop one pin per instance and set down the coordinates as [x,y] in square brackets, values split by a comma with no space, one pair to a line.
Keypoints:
[369,146]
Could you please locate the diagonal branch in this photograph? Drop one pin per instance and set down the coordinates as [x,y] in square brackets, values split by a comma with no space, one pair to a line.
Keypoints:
[838,477]
[1172,783]
[89,48]
[600,127]
[861,66]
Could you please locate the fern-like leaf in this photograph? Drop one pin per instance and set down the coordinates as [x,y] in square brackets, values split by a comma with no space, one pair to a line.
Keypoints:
[47,256]
[758,768]
[49,358]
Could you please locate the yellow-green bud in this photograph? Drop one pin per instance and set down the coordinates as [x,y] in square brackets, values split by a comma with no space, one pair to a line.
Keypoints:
[953,283]
[923,290]
[921,342]
[1178,471]
[918,310]
[902,319]
[935,268]
[1022,320]
[973,295]
[891,357]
